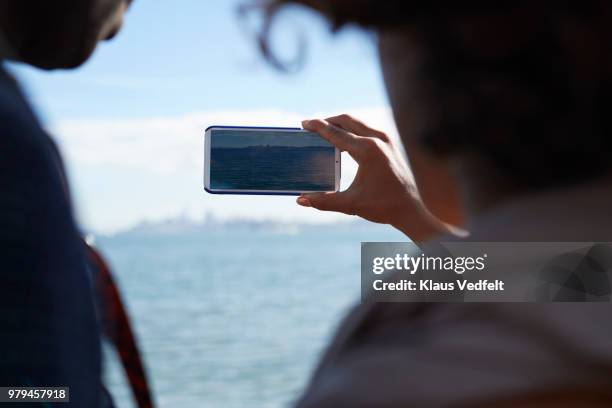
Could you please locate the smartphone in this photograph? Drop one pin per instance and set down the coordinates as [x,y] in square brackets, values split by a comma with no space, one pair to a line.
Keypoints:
[268,160]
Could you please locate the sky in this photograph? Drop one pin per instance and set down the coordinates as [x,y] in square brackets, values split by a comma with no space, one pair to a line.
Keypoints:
[130,122]
[238,138]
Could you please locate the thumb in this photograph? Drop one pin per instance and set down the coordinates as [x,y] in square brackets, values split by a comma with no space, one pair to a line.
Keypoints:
[338,202]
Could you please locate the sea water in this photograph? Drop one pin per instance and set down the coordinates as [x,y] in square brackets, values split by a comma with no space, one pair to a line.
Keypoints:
[235,316]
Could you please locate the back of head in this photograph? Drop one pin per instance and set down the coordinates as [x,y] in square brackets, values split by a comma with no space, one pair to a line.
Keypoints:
[523,84]
[59,33]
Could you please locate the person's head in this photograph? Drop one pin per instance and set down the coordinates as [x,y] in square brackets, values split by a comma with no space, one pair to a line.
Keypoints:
[58,33]
[522,85]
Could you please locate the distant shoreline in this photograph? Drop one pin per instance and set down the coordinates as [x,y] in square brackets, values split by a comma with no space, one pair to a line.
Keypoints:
[177,226]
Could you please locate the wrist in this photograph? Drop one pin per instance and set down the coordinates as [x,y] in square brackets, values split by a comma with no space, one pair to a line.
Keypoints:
[422,226]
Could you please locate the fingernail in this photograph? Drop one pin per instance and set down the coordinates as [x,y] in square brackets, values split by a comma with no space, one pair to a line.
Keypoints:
[303,201]
[305,122]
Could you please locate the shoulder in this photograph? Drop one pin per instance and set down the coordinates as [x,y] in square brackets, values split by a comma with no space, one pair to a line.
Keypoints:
[21,137]
[403,354]
[34,205]
[28,160]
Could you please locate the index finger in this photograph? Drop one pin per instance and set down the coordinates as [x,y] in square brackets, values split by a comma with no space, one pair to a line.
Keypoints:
[339,137]
[356,126]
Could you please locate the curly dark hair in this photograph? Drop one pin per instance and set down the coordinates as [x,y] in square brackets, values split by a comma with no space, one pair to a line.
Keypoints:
[531,112]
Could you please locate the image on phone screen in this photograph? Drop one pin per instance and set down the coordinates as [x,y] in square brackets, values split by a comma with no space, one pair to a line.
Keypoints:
[271,160]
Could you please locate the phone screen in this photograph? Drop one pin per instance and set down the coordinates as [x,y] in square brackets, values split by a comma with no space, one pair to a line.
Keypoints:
[271,160]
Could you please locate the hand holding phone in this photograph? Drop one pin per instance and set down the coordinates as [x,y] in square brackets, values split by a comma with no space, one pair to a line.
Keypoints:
[384,190]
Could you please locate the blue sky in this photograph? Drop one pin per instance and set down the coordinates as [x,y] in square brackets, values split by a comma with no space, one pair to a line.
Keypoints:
[130,121]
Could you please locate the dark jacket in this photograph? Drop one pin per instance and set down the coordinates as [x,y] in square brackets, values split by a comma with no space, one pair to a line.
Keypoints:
[48,330]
